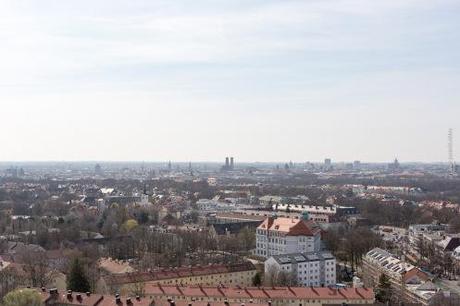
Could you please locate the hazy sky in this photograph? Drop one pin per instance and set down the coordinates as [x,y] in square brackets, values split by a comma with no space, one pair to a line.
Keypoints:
[261,80]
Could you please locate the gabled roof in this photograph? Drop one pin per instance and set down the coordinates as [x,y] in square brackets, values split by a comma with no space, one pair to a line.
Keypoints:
[291,227]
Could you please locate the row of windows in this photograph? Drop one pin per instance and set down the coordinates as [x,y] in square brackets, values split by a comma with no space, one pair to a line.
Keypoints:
[284,302]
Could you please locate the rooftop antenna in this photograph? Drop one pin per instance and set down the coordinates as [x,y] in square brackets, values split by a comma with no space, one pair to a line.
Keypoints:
[450,139]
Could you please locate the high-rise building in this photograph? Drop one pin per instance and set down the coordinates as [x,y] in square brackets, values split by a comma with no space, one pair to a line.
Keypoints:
[452,168]
[98,169]
[232,163]
[327,164]
[394,166]
[356,164]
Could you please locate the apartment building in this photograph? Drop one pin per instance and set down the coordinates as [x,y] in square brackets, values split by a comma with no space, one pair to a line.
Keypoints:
[315,269]
[214,296]
[319,213]
[408,282]
[278,296]
[233,274]
[277,236]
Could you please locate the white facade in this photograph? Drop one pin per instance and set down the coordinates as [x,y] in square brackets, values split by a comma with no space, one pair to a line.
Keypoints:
[317,269]
[286,236]
[144,200]
[277,244]
[206,205]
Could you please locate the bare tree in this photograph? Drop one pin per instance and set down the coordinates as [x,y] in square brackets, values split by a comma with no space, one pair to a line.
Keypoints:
[36,268]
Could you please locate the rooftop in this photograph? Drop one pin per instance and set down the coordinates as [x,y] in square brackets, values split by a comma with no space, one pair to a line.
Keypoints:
[269,293]
[291,227]
[303,257]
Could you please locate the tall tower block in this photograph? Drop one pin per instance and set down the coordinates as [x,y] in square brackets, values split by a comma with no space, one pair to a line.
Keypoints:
[450,141]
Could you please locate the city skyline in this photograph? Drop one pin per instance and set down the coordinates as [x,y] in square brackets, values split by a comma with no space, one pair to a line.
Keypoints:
[264,81]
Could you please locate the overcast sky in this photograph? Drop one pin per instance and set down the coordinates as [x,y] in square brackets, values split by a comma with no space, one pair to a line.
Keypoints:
[200,80]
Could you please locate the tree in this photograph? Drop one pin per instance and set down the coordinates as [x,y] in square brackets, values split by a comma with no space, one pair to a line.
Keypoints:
[286,279]
[36,268]
[257,279]
[22,297]
[130,224]
[271,275]
[247,239]
[383,290]
[10,279]
[77,280]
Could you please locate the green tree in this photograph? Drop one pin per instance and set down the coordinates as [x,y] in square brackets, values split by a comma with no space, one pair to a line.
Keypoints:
[22,297]
[383,290]
[77,280]
[257,279]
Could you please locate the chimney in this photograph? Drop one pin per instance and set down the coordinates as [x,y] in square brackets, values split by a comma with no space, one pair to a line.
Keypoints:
[43,289]
[69,294]
[270,303]
[138,298]
[79,298]
[88,293]
[128,301]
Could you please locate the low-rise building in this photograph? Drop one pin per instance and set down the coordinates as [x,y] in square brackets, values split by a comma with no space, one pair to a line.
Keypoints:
[319,213]
[419,232]
[273,296]
[316,269]
[241,274]
[214,296]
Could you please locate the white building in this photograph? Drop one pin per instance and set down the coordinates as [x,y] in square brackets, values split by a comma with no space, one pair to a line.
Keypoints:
[206,205]
[277,236]
[144,200]
[316,269]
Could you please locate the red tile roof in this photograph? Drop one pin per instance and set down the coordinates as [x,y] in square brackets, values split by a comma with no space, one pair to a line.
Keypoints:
[291,227]
[83,299]
[133,301]
[267,293]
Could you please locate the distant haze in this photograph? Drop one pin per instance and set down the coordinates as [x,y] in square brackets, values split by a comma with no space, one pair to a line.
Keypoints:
[200,80]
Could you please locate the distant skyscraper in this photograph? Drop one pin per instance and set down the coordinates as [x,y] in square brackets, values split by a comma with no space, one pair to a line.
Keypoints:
[394,166]
[232,165]
[169,166]
[327,163]
[450,141]
[98,169]
[227,163]
[356,164]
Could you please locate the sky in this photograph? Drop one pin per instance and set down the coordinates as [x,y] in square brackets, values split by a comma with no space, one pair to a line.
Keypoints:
[260,80]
